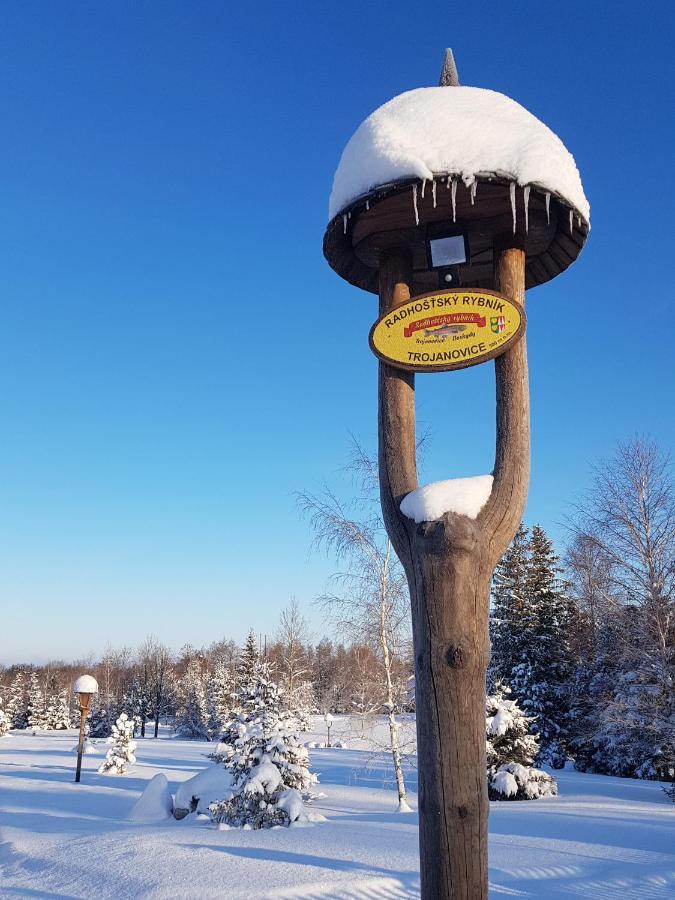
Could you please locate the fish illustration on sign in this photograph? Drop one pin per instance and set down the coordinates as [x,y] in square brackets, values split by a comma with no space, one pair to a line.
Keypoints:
[444,330]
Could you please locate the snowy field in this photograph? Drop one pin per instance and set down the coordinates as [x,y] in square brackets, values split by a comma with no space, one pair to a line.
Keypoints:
[602,837]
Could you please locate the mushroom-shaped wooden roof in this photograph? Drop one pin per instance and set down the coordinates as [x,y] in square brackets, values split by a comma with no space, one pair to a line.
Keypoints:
[460,157]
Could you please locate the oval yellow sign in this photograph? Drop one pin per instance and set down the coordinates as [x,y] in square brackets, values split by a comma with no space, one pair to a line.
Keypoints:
[447,330]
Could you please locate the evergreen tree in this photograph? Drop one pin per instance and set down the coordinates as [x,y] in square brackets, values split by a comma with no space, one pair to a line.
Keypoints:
[269,765]
[508,609]
[246,668]
[36,703]
[121,752]
[17,705]
[192,716]
[220,700]
[508,731]
[550,662]
[511,751]
[532,622]
[5,722]
[304,705]
[60,716]
[138,702]
[101,717]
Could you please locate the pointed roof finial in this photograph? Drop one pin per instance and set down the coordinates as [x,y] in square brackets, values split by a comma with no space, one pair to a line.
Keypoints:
[449,76]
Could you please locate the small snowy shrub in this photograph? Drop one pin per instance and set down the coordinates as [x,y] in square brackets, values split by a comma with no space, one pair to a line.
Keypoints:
[507,731]
[515,782]
[511,750]
[123,745]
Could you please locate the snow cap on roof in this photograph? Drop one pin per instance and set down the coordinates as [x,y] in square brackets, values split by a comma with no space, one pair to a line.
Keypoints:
[459,131]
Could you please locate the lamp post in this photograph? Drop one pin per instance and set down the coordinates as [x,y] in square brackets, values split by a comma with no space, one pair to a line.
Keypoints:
[448,203]
[85,687]
[328,719]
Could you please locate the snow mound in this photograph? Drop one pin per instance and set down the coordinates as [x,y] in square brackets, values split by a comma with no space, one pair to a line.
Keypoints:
[87,748]
[463,496]
[458,131]
[85,684]
[291,802]
[155,803]
[194,795]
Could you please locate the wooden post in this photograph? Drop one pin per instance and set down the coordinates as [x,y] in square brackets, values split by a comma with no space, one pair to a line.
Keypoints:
[449,564]
[84,710]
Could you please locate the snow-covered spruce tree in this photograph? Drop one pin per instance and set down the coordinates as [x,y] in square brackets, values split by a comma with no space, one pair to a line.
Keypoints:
[304,705]
[101,717]
[531,626]
[220,700]
[269,765]
[36,703]
[5,722]
[57,715]
[121,753]
[192,714]
[17,704]
[508,610]
[137,700]
[246,666]
[511,751]
[550,661]
[634,725]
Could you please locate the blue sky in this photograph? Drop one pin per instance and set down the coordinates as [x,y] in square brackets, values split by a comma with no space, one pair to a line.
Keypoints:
[165,171]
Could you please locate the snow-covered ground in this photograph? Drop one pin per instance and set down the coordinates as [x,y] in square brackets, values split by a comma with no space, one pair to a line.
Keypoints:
[600,838]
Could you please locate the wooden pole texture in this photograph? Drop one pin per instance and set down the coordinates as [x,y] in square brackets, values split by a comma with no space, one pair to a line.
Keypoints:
[449,564]
[84,709]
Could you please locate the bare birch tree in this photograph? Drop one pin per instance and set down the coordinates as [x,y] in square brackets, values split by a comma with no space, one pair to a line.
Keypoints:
[371,601]
[292,639]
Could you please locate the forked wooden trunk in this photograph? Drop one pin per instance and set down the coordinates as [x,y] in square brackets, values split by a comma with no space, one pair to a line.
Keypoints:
[449,564]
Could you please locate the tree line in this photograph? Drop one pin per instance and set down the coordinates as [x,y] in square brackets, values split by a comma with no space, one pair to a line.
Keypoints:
[583,643]
[185,689]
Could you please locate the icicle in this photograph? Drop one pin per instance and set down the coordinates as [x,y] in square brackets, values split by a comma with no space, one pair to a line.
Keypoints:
[349,214]
[547,197]
[344,224]
[367,205]
[433,192]
[424,184]
[453,194]
[512,190]
[417,215]
[579,222]
[571,220]
[447,181]
[473,188]
[526,204]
